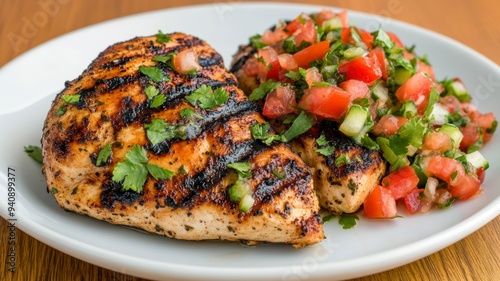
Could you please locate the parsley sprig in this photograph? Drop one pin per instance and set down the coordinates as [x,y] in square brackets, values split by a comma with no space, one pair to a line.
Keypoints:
[134,170]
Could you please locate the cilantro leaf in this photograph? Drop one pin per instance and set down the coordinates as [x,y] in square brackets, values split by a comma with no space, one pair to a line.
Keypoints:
[162,37]
[158,130]
[322,140]
[158,172]
[242,168]
[348,221]
[158,101]
[154,73]
[263,90]
[325,151]
[103,155]
[279,175]
[382,39]
[433,98]
[137,155]
[61,110]
[343,159]
[71,98]
[164,59]
[300,125]
[321,84]
[34,152]
[132,174]
[328,218]
[256,41]
[261,132]
[188,113]
[151,91]
[205,98]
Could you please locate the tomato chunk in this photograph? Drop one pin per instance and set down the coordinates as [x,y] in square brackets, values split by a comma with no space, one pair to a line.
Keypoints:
[412,201]
[316,51]
[357,89]
[471,135]
[437,141]
[417,89]
[328,102]
[379,55]
[366,69]
[466,187]
[275,71]
[388,125]
[380,204]
[279,102]
[401,182]
[306,34]
[447,169]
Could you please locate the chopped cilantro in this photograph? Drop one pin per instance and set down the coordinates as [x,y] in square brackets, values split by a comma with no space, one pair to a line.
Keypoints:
[493,127]
[189,113]
[34,152]
[256,41]
[343,159]
[325,151]
[158,101]
[264,88]
[382,39]
[158,172]
[151,91]
[322,140]
[182,170]
[261,132]
[164,59]
[162,37]
[433,98]
[321,84]
[158,131]
[328,218]
[154,73]
[103,155]
[205,98]
[242,168]
[447,204]
[348,221]
[279,175]
[54,190]
[61,110]
[300,125]
[71,98]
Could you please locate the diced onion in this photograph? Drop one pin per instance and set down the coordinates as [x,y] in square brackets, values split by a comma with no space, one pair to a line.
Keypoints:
[430,187]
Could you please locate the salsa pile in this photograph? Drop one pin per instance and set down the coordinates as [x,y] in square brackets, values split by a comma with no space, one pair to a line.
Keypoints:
[384,97]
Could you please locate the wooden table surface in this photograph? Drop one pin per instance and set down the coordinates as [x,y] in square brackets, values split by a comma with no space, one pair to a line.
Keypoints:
[474,23]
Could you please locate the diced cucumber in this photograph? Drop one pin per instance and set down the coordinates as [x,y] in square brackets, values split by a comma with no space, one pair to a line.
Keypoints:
[246,203]
[454,133]
[333,23]
[380,91]
[457,88]
[354,121]
[353,52]
[239,190]
[401,75]
[477,160]
[408,109]
[439,115]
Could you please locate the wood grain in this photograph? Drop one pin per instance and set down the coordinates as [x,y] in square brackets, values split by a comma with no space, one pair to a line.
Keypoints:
[474,23]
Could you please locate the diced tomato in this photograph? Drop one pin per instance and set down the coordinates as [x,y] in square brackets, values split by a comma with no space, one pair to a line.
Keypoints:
[307,33]
[412,201]
[328,102]
[367,38]
[279,102]
[271,37]
[295,24]
[425,68]
[471,135]
[357,89]
[466,187]
[268,54]
[316,51]
[380,204]
[485,121]
[481,174]
[380,56]
[345,36]
[251,67]
[275,71]
[186,61]
[447,169]
[324,15]
[401,182]
[388,125]
[343,18]
[396,40]
[313,76]
[417,88]
[366,69]
[437,141]
[287,62]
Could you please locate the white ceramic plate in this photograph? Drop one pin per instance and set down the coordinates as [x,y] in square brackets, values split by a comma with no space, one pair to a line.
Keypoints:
[30,82]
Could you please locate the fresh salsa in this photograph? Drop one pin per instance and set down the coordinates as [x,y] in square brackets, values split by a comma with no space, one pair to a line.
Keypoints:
[384,97]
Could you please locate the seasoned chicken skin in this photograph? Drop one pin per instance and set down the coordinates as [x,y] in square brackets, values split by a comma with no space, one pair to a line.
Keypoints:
[340,189]
[113,109]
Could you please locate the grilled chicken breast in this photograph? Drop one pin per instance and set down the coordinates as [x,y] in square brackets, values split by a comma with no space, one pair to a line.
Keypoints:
[346,177]
[341,189]
[108,106]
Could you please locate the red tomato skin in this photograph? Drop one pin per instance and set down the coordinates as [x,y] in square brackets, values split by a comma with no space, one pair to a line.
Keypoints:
[366,69]
[307,33]
[417,88]
[395,39]
[357,89]
[481,174]
[471,135]
[466,187]
[485,121]
[444,167]
[316,51]
[425,68]
[367,38]
[275,71]
[412,201]
[401,182]
[324,15]
[279,102]
[329,102]
[437,141]
[380,204]
[379,55]
[388,125]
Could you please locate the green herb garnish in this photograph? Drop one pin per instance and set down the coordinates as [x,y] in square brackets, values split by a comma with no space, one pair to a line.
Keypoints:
[71,98]
[103,155]
[263,90]
[205,98]
[348,221]
[34,152]
[162,37]
[154,73]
